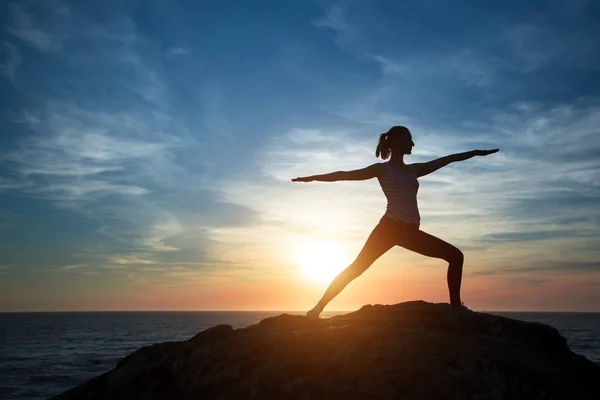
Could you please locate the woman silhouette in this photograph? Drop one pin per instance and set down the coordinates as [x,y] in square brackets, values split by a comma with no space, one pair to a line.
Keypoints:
[400,224]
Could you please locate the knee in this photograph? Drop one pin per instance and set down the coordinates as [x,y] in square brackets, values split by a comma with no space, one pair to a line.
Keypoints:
[354,270]
[456,257]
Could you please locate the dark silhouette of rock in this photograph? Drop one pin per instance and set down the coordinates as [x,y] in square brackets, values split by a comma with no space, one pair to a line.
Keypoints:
[413,350]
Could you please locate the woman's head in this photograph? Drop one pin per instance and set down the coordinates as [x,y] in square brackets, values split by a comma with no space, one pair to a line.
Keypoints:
[397,140]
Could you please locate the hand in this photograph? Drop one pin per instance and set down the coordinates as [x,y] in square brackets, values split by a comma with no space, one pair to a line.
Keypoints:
[485,152]
[303,179]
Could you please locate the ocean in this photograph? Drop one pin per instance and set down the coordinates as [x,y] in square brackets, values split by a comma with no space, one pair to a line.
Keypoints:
[44,354]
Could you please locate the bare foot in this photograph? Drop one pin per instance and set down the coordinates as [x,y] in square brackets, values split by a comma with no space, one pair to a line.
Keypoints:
[459,307]
[314,313]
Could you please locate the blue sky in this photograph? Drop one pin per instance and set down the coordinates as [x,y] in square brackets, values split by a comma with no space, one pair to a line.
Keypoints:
[147,147]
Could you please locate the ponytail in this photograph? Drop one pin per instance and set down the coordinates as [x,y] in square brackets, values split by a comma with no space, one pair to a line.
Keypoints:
[384,147]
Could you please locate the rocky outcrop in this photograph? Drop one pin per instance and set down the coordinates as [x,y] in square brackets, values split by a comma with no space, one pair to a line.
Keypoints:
[413,350]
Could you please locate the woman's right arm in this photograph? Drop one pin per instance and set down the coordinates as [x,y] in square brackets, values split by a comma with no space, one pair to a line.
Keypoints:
[362,174]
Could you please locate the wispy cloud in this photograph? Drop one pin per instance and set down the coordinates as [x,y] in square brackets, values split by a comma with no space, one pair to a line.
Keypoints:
[508,47]
[130,260]
[465,65]
[215,111]
[178,51]
[547,168]
[512,202]
[76,268]
[320,210]
[73,152]
[159,159]
[39,31]
[533,45]
[335,19]
[128,167]
[11,63]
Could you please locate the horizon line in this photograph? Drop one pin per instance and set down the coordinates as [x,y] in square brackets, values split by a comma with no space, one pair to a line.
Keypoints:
[271,311]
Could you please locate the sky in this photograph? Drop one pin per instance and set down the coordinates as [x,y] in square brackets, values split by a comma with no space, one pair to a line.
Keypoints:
[147,147]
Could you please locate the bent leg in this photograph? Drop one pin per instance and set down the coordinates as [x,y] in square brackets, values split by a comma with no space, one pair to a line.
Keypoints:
[431,246]
[379,242]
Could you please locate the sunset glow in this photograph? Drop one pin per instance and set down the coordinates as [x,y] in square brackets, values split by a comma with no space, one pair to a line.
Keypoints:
[320,261]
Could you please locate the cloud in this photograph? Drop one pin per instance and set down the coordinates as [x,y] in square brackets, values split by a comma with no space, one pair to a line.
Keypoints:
[13,61]
[45,31]
[525,236]
[335,19]
[113,51]
[147,84]
[215,115]
[319,210]
[468,66]
[178,51]
[69,267]
[79,269]
[507,48]
[73,151]
[533,45]
[165,187]
[542,174]
[540,191]
[130,260]
[543,266]
[107,147]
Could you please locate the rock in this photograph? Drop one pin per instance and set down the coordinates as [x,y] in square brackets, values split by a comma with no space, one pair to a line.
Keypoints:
[413,350]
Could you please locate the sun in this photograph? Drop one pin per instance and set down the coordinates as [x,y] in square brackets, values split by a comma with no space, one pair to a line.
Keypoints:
[320,261]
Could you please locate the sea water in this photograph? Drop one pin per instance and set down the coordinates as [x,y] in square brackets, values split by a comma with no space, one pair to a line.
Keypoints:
[44,354]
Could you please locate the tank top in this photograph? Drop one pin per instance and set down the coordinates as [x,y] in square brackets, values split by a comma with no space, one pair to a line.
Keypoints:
[400,189]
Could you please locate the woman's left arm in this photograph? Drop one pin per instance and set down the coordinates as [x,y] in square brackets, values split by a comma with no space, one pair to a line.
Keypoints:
[434,165]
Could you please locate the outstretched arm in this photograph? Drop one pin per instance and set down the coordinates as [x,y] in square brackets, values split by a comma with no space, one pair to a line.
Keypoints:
[356,175]
[429,167]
